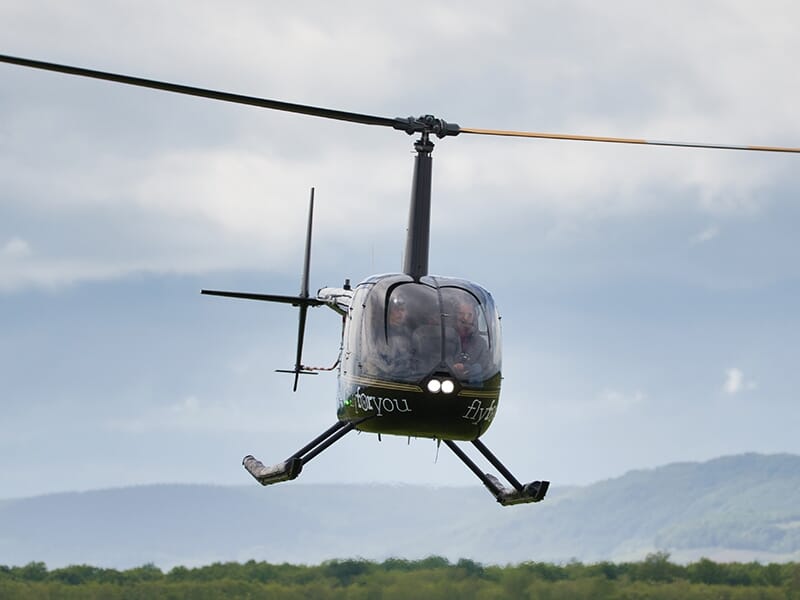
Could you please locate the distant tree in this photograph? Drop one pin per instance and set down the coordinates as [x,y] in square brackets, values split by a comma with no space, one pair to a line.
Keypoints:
[397,564]
[432,562]
[179,574]
[345,571]
[260,571]
[740,574]
[792,585]
[656,567]
[546,571]
[607,569]
[772,574]
[470,567]
[147,572]
[77,574]
[705,571]
[33,571]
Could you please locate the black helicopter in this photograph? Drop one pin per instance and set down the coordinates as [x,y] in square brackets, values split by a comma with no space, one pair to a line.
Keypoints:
[420,353]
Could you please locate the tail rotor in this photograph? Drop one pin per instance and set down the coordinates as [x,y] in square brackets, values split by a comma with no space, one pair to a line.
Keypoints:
[302,301]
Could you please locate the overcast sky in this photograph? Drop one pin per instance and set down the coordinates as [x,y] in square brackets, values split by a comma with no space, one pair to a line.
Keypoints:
[649,295]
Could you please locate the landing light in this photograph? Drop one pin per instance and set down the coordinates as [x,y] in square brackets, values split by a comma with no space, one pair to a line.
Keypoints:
[446,386]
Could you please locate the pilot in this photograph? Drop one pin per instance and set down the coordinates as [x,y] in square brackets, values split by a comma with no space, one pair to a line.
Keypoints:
[393,356]
[471,349]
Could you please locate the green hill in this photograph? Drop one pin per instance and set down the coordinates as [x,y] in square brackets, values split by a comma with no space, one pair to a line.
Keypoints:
[741,507]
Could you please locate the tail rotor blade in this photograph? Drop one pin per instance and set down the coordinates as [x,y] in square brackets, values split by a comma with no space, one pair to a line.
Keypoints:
[307,258]
[301,327]
[301,330]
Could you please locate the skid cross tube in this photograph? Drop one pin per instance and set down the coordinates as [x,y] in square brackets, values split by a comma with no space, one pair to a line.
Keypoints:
[333,429]
[520,494]
[472,467]
[292,466]
[324,441]
[497,464]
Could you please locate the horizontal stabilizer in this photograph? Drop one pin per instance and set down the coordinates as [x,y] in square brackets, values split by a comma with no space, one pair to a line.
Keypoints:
[296,372]
[284,471]
[293,300]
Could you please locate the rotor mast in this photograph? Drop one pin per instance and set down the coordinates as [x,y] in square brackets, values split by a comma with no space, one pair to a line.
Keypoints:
[415,261]
[418,235]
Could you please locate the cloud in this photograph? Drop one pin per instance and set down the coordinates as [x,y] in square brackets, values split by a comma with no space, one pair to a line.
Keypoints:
[733,381]
[607,402]
[188,185]
[620,401]
[188,413]
[15,248]
[708,234]
[736,383]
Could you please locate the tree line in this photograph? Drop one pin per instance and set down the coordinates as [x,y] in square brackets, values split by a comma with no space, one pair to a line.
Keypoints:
[433,577]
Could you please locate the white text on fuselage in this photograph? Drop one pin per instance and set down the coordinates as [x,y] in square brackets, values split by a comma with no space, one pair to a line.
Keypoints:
[477,413]
[381,405]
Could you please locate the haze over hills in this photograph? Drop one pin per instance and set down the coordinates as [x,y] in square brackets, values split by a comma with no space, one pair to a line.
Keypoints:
[743,507]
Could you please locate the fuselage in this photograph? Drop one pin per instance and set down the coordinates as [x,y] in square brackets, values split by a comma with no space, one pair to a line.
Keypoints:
[420,357]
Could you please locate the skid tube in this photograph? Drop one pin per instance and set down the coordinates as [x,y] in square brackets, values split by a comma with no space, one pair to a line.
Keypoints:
[292,466]
[518,494]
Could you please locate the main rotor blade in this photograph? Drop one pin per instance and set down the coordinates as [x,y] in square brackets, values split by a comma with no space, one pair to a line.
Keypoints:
[314,111]
[617,140]
[410,125]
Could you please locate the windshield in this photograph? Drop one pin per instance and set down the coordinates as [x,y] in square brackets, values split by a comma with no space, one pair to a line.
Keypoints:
[412,329]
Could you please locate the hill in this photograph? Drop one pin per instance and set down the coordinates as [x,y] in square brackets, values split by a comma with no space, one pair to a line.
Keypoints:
[741,507]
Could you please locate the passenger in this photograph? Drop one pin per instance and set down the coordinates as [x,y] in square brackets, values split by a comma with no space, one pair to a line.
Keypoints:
[471,350]
[427,338]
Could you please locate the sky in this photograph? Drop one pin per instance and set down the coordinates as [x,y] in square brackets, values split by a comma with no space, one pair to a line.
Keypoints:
[648,294]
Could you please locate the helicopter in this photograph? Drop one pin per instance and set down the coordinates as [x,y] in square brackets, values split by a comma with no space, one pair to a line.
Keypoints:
[420,354]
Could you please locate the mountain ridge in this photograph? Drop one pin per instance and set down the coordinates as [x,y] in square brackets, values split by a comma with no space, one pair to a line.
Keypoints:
[745,506]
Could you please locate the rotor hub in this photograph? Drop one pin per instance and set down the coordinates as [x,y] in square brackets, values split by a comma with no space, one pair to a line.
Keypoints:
[426,124]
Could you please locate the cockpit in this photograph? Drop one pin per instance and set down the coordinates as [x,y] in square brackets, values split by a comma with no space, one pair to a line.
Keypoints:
[405,330]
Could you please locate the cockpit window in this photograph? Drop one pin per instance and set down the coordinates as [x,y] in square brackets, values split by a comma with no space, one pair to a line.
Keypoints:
[466,336]
[403,345]
[411,329]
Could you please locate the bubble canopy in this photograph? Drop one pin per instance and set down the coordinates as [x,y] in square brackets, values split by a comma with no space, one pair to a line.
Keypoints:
[405,330]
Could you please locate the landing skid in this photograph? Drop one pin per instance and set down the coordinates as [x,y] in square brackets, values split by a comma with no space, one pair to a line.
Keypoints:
[291,467]
[518,494]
